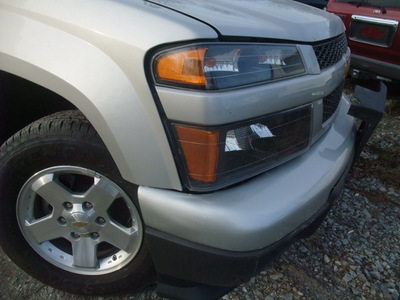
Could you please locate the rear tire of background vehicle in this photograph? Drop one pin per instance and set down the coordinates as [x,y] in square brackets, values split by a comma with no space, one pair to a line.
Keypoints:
[67,217]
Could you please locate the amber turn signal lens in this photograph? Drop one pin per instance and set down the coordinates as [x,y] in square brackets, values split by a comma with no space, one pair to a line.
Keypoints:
[185,66]
[200,149]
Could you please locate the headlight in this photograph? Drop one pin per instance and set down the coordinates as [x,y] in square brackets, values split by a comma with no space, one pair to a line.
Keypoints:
[214,157]
[220,66]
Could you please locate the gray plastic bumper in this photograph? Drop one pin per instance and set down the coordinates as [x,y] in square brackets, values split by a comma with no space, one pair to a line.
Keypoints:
[260,211]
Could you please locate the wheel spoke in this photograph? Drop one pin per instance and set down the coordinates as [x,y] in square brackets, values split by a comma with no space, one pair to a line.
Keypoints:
[85,253]
[51,191]
[101,195]
[121,237]
[46,229]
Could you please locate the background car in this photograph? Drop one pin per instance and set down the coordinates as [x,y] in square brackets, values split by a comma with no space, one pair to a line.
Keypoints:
[373,36]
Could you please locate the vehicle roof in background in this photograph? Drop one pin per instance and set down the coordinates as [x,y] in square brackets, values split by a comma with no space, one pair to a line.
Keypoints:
[379,3]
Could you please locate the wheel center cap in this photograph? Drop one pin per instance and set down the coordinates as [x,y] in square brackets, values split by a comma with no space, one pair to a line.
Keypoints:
[79,222]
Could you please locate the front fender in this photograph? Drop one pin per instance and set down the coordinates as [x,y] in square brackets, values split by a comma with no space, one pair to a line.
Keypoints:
[103,77]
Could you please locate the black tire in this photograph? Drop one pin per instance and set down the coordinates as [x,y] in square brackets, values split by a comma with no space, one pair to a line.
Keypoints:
[50,173]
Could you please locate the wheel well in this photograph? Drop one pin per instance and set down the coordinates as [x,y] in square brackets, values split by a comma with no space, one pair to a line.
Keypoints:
[22,102]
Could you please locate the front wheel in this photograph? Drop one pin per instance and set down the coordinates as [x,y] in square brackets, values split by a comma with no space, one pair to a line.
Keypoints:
[66,216]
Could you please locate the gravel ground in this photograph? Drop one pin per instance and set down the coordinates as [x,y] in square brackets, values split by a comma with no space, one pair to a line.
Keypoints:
[355,254]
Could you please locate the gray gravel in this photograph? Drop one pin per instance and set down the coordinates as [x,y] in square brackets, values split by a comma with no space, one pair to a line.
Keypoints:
[354,255]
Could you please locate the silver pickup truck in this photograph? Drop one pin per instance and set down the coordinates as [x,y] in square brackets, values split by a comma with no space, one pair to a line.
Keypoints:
[181,142]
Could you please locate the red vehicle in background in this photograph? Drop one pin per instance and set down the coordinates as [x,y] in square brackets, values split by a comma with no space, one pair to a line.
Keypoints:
[373,35]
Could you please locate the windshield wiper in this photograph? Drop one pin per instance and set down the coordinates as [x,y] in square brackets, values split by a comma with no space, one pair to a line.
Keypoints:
[359,3]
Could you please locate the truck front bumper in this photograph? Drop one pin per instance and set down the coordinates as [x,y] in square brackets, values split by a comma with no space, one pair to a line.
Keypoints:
[210,273]
[203,245]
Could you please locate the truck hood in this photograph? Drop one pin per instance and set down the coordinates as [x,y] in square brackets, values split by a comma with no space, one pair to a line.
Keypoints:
[272,19]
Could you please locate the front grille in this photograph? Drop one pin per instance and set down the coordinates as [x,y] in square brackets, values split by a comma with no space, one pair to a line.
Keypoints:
[331,102]
[329,52]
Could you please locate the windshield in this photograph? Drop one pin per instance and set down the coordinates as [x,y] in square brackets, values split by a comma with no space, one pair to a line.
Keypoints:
[378,3]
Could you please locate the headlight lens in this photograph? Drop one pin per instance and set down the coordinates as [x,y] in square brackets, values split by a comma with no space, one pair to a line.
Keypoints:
[220,66]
